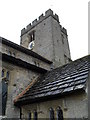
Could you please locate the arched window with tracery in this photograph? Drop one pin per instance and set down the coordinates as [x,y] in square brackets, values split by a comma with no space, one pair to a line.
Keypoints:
[51,114]
[29,116]
[4,96]
[3,73]
[59,113]
[7,75]
[35,115]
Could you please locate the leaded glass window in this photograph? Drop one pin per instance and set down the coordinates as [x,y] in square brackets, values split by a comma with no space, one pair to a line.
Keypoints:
[51,114]
[59,113]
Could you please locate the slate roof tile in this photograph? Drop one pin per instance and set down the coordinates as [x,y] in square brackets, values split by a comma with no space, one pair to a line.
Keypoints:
[65,79]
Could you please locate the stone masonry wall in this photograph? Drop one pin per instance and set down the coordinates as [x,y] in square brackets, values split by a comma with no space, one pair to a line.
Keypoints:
[74,106]
[27,58]
[19,79]
[61,46]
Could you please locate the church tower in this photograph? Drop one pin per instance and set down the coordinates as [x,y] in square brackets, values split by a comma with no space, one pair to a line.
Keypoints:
[48,38]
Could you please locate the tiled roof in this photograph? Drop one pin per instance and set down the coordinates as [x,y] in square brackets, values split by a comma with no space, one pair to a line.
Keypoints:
[66,79]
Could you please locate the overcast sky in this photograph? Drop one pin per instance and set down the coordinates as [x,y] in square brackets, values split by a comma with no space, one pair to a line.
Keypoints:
[73,15]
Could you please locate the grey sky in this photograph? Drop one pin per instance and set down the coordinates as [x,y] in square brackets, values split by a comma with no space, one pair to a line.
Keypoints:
[73,15]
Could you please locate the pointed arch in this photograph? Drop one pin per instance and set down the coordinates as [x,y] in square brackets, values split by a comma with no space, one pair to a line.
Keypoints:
[3,73]
[51,114]
[35,115]
[59,113]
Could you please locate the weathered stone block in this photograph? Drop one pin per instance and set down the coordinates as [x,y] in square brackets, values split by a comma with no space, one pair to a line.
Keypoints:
[23,31]
[34,22]
[49,12]
[41,17]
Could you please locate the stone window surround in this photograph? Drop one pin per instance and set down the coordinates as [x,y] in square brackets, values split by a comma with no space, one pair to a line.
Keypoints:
[5,74]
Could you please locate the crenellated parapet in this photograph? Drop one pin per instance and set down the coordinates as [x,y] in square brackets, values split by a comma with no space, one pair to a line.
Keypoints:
[40,19]
[63,30]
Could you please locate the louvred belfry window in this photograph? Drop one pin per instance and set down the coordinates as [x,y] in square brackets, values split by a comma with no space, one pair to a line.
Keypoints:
[32,36]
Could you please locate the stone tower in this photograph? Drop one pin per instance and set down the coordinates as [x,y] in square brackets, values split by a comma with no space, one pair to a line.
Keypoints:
[48,38]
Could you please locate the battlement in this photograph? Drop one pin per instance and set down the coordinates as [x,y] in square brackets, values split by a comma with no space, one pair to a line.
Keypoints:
[63,30]
[40,19]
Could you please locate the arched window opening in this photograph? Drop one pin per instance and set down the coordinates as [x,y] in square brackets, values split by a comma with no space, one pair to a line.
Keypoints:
[7,75]
[35,115]
[3,73]
[29,116]
[32,35]
[59,113]
[51,114]
[4,96]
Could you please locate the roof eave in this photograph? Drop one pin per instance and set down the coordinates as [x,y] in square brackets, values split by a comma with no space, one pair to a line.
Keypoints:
[21,63]
[47,98]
